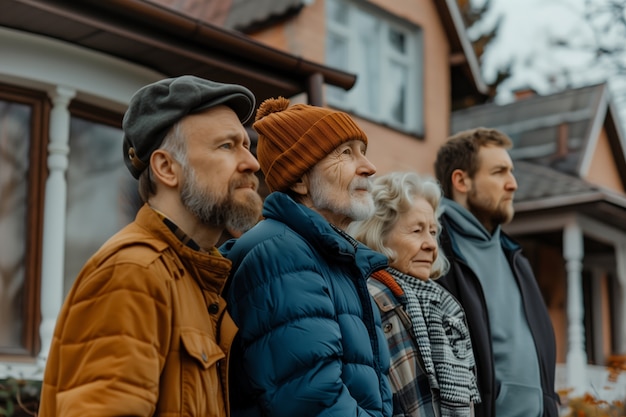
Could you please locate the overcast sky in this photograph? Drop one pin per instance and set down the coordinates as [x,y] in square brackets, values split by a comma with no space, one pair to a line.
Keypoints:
[527,30]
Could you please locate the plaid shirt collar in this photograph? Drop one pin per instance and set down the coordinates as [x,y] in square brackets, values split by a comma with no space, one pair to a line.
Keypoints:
[178,232]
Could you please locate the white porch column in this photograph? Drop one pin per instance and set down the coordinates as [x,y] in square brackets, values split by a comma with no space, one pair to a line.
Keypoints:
[598,282]
[54,218]
[576,354]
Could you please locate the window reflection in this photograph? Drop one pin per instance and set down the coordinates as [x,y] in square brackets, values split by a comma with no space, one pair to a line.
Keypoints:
[337,12]
[337,53]
[396,92]
[369,81]
[101,194]
[397,40]
[14,148]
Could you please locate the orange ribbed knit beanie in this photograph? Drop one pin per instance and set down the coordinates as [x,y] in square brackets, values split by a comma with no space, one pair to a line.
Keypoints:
[293,139]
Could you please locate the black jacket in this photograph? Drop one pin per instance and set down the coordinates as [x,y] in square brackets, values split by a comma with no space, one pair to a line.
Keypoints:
[465,286]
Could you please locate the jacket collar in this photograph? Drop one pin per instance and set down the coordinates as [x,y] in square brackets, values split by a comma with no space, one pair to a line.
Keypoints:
[314,228]
[209,268]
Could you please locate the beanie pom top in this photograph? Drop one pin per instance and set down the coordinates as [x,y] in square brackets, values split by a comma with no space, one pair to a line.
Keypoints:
[269,106]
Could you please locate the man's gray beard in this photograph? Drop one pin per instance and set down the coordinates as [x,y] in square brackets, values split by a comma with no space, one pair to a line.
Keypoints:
[360,209]
[219,212]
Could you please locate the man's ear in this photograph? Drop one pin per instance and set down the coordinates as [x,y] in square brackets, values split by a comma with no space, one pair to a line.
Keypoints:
[460,181]
[300,187]
[165,168]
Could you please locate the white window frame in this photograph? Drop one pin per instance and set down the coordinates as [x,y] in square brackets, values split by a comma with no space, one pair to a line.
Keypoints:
[357,99]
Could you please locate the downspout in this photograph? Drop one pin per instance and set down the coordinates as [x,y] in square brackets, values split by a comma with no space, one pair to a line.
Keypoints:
[315,89]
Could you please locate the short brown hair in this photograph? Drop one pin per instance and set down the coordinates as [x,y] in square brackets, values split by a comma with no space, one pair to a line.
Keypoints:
[461,152]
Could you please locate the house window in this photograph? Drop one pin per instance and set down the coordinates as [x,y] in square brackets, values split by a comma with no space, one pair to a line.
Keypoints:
[23,118]
[385,54]
[101,198]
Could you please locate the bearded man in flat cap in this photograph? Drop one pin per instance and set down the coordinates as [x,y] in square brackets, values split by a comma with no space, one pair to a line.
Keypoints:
[144,330]
[310,340]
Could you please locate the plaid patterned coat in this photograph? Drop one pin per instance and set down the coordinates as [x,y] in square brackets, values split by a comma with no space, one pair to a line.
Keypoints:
[412,395]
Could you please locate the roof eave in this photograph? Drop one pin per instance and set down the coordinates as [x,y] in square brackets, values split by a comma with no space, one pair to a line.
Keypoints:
[560,201]
[172,43]
[606,207]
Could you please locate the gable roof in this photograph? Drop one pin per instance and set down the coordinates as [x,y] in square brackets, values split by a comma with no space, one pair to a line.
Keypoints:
[544,190]
[554,137]
[170,42]
[536,182]
[559,130]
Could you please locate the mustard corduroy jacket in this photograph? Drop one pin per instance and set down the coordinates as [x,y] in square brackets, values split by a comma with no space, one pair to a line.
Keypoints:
[138,332]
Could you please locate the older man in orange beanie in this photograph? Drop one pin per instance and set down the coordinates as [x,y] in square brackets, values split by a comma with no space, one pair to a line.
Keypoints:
[310,341]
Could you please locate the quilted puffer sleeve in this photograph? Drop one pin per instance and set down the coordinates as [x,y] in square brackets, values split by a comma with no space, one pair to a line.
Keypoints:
[291,348]
[116,330]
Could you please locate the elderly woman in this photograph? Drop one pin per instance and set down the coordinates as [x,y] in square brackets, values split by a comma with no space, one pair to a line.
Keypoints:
[432,364]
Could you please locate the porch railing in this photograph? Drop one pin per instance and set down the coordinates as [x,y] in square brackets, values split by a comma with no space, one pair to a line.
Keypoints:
[599,383]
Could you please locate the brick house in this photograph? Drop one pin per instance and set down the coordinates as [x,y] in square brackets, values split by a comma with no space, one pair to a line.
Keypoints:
[68,70]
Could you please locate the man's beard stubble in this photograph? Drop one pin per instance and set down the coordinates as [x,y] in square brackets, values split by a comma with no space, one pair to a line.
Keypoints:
[222,211]
[487,215]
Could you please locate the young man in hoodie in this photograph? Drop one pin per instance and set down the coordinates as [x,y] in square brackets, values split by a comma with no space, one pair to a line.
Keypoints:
[511,331]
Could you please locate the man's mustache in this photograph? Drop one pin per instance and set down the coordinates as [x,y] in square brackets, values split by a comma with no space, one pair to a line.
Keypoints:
[361,184]
[249,180]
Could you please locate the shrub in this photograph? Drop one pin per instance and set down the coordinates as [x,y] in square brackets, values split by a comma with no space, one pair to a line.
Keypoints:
[19,397]
[589,405]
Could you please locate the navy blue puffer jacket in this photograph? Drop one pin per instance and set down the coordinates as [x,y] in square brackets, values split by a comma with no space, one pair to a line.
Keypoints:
[310,341]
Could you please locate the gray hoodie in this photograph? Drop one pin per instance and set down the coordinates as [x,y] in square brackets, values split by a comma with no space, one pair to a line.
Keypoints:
[515,357]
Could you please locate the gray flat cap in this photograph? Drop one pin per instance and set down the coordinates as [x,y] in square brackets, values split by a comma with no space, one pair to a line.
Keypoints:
[156,107]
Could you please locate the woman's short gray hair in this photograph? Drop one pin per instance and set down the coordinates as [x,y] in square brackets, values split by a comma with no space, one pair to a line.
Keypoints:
[394,194]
